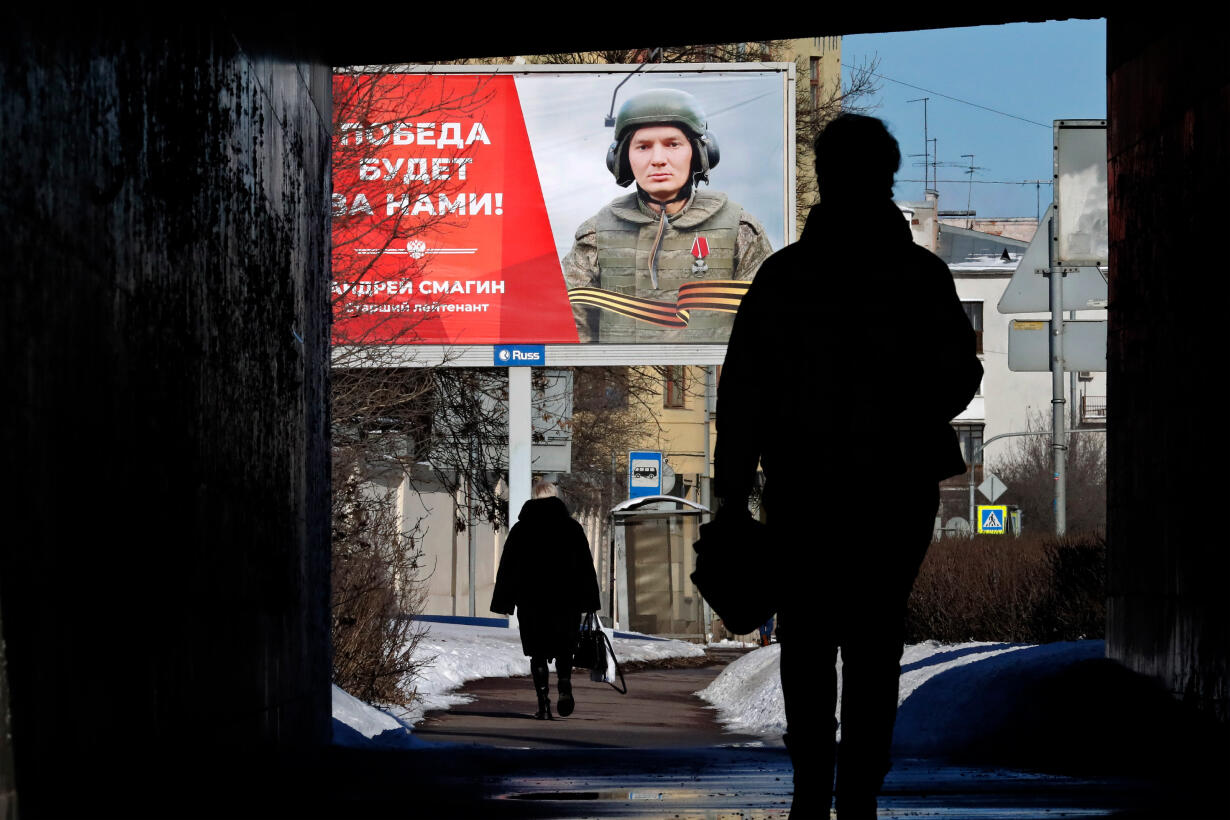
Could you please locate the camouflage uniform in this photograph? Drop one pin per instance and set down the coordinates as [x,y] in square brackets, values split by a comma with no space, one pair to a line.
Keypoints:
[612,250]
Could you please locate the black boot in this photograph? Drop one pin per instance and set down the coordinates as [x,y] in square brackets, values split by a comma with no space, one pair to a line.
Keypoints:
[542,686]
[566,703]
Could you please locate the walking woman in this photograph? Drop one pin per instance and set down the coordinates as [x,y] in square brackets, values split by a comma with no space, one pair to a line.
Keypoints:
[547,574]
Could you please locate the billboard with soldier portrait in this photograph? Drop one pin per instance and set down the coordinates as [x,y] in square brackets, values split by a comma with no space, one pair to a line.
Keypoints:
[556,205]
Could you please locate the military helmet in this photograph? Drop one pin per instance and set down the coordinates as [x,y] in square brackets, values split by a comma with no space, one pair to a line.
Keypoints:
[662,106]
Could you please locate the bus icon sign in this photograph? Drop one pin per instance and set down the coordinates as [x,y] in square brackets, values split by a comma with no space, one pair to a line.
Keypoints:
[644,474]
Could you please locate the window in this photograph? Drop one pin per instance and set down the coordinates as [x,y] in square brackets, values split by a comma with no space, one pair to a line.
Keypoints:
[973,311]
[815,83]
[970,436]
[673,389]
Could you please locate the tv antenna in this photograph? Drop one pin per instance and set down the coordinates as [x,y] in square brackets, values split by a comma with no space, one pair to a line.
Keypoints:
[926,145]
[969,195]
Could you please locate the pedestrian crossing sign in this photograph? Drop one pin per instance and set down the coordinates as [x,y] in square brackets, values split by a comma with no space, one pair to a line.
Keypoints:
[991,519]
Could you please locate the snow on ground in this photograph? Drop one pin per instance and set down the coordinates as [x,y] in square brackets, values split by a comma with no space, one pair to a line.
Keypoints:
[356,723]
[456,653]
[950,694]
[461,653]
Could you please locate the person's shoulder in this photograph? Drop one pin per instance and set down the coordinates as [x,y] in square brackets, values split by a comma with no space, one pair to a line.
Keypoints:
[621,207]
[714,201]
[778,271]
[926,263]
[747,218]
[587,229]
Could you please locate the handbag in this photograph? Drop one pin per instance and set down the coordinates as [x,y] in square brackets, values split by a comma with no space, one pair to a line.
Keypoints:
[595,653]
[726,546]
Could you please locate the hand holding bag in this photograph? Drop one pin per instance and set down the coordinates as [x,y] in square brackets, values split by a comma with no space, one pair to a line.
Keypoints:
[728,545]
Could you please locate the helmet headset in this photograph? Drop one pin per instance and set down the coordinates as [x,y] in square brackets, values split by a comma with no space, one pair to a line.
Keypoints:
[662,106]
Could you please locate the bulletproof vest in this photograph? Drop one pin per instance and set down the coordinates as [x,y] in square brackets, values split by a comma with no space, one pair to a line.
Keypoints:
[625,237]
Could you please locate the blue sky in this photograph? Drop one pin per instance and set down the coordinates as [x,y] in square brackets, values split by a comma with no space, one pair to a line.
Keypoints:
[1035,71]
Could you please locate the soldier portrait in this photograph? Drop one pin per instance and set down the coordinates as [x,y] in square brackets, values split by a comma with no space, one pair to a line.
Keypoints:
[669,261]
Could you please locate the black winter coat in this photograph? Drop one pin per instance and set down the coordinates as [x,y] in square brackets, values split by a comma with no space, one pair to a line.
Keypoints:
[546,573]
[849,356]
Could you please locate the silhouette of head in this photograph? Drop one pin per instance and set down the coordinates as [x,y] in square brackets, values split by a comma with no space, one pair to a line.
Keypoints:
[856,156]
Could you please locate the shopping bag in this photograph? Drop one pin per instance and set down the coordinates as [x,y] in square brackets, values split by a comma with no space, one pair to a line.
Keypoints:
[589,650]
[595,652]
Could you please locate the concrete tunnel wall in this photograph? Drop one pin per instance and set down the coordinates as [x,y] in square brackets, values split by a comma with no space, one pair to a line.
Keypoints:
[164,577]
[1169,170]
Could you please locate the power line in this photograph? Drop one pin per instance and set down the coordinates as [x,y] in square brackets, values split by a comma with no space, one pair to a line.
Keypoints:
[986,181]
[963,102]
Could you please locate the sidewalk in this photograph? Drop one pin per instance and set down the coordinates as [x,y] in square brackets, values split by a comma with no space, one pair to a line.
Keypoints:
[658,753]
[659,711]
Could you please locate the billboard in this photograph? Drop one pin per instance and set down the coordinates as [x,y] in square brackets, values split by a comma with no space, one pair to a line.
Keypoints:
[476,205]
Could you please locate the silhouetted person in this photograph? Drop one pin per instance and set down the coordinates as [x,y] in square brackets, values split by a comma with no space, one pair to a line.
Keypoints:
[849,356]
[547,574]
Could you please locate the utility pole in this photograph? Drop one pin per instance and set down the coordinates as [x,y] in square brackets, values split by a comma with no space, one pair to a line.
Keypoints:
[1059,435]
[926,144]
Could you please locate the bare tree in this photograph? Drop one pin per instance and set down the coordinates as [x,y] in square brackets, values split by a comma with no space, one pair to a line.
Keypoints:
[1028,473]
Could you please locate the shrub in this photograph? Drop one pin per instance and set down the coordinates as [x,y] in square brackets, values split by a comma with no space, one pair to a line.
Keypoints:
[1000,588]
[377,588]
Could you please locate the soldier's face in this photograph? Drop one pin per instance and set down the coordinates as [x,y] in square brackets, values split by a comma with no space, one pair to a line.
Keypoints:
[661,160]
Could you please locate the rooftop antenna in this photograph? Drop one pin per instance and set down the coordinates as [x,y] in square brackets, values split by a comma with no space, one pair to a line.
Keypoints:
[935,162]
[969,195]
[926,145]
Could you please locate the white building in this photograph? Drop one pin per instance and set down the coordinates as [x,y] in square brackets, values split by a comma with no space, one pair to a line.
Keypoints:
[982,264]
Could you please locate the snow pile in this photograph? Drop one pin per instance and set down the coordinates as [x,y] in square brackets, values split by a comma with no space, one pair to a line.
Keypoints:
[748,693]
[453,654]
[950,694]
[356,723]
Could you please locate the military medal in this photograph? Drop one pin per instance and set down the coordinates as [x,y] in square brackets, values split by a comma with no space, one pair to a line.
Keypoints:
[700,249]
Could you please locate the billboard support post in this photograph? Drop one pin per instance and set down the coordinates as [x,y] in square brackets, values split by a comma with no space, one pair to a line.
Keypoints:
[520,439]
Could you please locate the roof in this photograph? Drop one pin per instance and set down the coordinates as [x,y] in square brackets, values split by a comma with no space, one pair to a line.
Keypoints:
[636,503]
[964,249]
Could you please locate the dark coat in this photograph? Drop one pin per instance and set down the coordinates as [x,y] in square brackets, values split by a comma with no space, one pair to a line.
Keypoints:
[849,356]
[546,573]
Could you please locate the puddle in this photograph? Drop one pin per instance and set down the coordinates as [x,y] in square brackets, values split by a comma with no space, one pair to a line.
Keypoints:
[612,794]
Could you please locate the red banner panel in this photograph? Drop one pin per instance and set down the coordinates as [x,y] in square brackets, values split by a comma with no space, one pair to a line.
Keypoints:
[440,232]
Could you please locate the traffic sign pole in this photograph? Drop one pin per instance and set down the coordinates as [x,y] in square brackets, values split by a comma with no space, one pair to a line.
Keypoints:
[1059,435]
